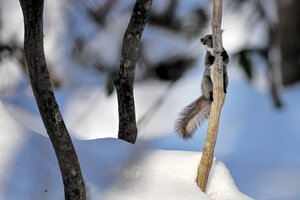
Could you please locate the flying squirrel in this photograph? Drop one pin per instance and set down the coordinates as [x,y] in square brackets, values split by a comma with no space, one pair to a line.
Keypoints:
[194,114]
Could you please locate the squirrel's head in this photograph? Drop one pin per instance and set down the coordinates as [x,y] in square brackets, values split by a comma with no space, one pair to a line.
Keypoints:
[207,41]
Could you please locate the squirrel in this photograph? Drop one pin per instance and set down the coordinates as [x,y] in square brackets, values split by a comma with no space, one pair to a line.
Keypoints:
[195,113]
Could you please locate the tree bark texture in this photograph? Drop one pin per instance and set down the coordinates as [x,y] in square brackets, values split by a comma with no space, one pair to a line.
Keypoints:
[219,98]
[39,77]
[125,78]
[289,31]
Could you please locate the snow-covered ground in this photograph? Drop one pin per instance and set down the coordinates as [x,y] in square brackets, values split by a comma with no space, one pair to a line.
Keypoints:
[258,144]
[112,168]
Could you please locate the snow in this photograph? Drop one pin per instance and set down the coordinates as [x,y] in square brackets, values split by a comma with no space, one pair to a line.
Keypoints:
[258,144]
[10,73]
[112,169]
[11,10]
[250,143]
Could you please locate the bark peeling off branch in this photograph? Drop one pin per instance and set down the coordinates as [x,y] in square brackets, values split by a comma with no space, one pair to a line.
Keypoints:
[125,79]
[48,107]
[219,98]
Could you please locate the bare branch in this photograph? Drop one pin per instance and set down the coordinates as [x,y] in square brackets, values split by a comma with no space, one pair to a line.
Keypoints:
[219,98]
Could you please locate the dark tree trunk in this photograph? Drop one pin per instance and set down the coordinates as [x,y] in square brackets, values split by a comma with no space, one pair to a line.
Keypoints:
[125,78]
[49,110]
[268,52]
[289,31]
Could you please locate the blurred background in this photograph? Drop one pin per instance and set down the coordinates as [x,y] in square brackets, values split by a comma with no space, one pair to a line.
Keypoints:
[259,132]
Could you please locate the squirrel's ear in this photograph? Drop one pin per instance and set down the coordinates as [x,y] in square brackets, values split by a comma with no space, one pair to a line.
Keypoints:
[222,31]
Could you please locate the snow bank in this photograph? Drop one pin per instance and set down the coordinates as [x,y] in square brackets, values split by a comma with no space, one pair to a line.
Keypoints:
[160,174]
[12,136]
[252,139]
[113,169]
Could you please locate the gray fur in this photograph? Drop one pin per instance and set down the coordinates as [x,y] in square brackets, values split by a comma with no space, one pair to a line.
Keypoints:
[192,116]
[195,113]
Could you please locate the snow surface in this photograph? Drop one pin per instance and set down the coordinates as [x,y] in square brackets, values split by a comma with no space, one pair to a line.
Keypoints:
[112,168]
[259,144]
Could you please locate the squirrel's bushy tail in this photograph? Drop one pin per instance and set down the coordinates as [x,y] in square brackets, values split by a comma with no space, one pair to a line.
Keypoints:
[192,117]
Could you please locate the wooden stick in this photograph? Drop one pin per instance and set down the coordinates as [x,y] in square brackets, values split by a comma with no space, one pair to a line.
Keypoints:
[219,98]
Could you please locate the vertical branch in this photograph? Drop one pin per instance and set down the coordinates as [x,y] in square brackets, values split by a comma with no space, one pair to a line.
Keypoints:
[271,75]
[289,31]
[273,36]
[125,79]
[48,107]
[219,98]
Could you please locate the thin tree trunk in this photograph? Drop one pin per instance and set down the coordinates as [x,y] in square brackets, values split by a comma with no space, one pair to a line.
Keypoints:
[219,98]
[49,110]
[272,30]
[125,79]
[289,31]
[271,72]
[273,85]
[271,64]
